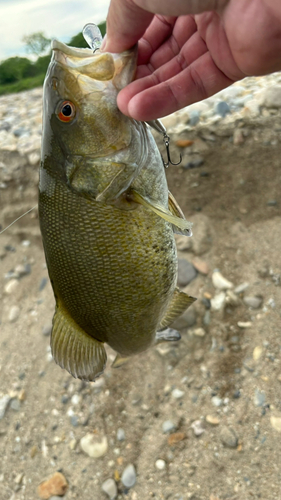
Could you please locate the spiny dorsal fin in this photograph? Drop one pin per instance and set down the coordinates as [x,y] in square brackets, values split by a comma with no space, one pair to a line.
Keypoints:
[179,303]
[73,349]
[177,211]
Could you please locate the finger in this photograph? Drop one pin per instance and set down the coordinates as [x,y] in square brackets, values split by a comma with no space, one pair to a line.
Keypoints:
[128,19]
[157,44]
[147,99]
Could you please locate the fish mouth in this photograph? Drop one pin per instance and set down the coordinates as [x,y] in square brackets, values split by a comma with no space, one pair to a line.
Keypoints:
[103,66]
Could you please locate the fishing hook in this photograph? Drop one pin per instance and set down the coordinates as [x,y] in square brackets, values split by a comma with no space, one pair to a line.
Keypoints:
[166,140]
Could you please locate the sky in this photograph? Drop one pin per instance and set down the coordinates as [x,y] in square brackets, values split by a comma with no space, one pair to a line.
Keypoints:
[56,18]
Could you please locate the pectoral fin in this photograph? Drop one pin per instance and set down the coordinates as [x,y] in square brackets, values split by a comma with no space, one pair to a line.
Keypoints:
[179,303]
[177,212]
[73,349]
[163,212]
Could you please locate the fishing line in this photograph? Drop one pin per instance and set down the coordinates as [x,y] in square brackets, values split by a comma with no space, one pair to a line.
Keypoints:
[18,219]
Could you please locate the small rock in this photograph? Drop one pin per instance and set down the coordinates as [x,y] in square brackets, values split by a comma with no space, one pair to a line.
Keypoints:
[220,282]
[109,487]
[271,97]
[213,420]
[216,401]
[218,302]
[253,108]
[56,485]
[120,435]
[176,437]
[222,109]
[238,137]
[241,288]
[14,314]
[177,393]
[199,332]
[15,404]
[244,324]
[76,399]
[183,143]
[22,270]
[186,272]
[194,163]
[201,266]
[259,398]
[197,427]
[47,329]
[160,464]
[4,401]
[168,426]
[11,286]
[228,437]
[254,302]
[257,353]
[93,446]
[232,299]
[276,423]
[129,476]
[201,240]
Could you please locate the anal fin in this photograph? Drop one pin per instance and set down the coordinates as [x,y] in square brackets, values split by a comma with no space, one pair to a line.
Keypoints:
[73,349]
[179,303]
[179,222]
[177,212]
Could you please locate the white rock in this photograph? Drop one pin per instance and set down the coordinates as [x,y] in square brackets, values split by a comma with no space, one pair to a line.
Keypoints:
[109,487]
[160,464]
[129,476]
[199,332]
[252,108]
[271,97]
[92,447]
[244,324]
[276,423]
[11,286]
[197,427]
[220,282]
[257,352]
[14,313]
[218,301]
[177,393]
[4,401]
[216,401]
[75,400]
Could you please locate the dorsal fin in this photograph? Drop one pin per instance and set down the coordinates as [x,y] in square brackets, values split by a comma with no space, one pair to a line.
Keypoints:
[73,349]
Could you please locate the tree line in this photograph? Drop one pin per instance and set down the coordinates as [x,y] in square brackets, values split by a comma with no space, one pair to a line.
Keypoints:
[21,73]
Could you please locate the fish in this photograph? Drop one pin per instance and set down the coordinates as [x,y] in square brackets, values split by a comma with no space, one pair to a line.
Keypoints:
[106,216]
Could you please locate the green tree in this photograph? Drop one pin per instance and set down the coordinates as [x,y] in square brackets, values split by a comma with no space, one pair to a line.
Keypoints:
[36,43]
[14,69]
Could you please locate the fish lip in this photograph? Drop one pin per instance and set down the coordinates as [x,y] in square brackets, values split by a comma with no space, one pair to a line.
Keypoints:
[71,51]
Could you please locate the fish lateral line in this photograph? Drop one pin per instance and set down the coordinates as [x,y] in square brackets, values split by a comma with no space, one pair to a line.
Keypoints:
[20,217]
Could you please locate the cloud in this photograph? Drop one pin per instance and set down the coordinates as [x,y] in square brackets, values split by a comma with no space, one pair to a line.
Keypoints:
[56,18]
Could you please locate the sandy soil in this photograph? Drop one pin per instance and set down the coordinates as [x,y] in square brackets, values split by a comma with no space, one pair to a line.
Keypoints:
[234,197]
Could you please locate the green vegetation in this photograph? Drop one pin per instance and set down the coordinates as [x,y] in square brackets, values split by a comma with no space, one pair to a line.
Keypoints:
[20,73]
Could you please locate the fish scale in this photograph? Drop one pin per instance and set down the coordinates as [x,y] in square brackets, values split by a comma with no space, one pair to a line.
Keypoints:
[106,216]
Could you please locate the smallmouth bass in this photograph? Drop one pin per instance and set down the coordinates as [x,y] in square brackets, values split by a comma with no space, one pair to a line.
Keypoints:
[106,216]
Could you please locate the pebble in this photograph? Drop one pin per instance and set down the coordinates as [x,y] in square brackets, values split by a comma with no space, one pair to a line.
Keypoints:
[4,402]
[228,437]
[186,272]
[222,108]
[15,404]
[94,446]
[254,302]
[218,301]
[160,464]
[168,426]
[244,324]
[271,97]
[220,282]
[11,286]
[213,420]
[56,485]
[241,288]
[199,332]
[259,398]
[129,476]
[257,352]
[276,423]
[14,314]
[177,393]
[109,487]
[47,329]
[120,434]
[216,401]
[238,137]
[198,427]
[201,266]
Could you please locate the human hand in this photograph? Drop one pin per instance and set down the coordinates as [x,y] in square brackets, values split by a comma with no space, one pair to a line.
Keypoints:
[184,56]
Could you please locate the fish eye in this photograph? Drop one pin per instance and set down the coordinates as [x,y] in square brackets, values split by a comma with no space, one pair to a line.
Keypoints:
[66,111]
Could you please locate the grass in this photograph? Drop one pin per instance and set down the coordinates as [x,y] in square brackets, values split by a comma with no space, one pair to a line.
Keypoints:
[25,84]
